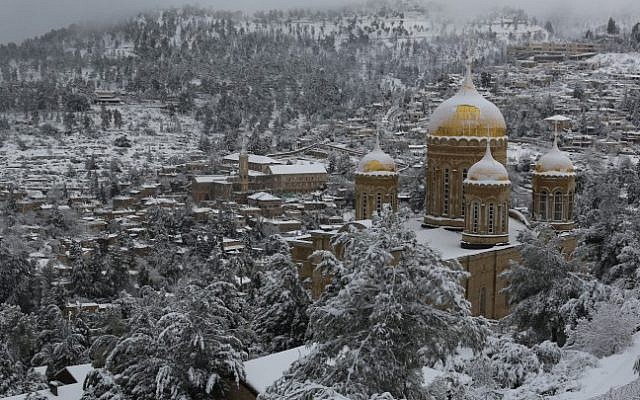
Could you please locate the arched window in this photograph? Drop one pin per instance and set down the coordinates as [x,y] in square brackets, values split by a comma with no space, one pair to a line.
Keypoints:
[445,192]
[557,206]
[476,213]
[482,302]
[491,219]
[500,219]
[543,205]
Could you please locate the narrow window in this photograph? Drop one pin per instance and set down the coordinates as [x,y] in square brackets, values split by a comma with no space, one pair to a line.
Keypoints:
[364,205]
[491,213]
[476,211]
[505,218]
[462,205]
[557,206]
[379,202]
[543,206]
[482,303]
[445,199]
[570,207]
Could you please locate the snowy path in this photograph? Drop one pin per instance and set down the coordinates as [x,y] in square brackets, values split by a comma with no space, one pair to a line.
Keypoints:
[611,372]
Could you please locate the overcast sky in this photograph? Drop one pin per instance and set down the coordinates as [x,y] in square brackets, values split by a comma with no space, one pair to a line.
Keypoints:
[20,19]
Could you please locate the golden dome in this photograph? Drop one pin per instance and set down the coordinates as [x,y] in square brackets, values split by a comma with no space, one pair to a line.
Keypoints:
[376,161]
[467,113]
[488,170]
[554,162]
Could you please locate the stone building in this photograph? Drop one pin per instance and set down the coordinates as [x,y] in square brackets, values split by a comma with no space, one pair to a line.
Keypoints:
[376,183]
[467,218]
[554,185]
[486,201]
[460,128]
[253,173]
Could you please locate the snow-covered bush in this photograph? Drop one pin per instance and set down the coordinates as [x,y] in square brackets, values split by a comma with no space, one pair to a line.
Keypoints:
[511,364]
[609,330]
[548,353]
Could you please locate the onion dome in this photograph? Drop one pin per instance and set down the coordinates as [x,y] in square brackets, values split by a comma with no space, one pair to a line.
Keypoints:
[376,161]
[488,170]
[555,161]
[467,113]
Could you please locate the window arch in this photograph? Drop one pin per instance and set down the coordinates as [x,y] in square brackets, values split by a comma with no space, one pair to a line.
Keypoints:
[557,206]
[542,205]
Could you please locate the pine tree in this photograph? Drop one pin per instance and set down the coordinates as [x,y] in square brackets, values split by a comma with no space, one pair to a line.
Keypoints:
[547,293]
[612,28]
[400,308]
[281,313]
[184,346]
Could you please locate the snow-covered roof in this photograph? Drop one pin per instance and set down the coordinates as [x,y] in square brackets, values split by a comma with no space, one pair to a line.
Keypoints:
[487,170]
[253,158]
[293,169]
[554,162]
[467,113]
[210,179]
[447,242]
[73,391]
[263,196]
[376,161]
[264,371]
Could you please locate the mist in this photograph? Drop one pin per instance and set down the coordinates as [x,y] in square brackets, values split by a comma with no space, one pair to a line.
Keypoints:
[20,19]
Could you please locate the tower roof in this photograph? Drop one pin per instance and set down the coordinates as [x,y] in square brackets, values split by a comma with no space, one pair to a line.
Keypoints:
[467,113]
[376,161]
[554,161]
[488,170]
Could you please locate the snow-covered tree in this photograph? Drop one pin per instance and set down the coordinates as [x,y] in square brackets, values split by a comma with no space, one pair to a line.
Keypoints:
[281,312]
[182,346]
[608,330]
[400,308]
[546,292]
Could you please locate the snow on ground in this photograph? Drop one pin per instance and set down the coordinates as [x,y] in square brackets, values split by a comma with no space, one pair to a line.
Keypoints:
[625,63]
[611,372]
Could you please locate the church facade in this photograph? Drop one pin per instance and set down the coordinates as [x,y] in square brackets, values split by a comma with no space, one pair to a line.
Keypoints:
[467,204]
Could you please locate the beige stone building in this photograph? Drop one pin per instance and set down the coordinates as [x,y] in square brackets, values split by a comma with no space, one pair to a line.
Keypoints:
[376,184]
[467,216]
[554,185]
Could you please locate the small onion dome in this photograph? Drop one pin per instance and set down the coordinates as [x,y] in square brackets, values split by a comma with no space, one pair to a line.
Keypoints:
[467,113]
[376,161]
[554,161]
[488,170]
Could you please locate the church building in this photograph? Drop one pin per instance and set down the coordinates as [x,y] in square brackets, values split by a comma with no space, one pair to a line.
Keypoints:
[467,204]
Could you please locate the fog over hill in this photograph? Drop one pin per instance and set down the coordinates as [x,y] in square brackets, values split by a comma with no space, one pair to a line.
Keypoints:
[21,19]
